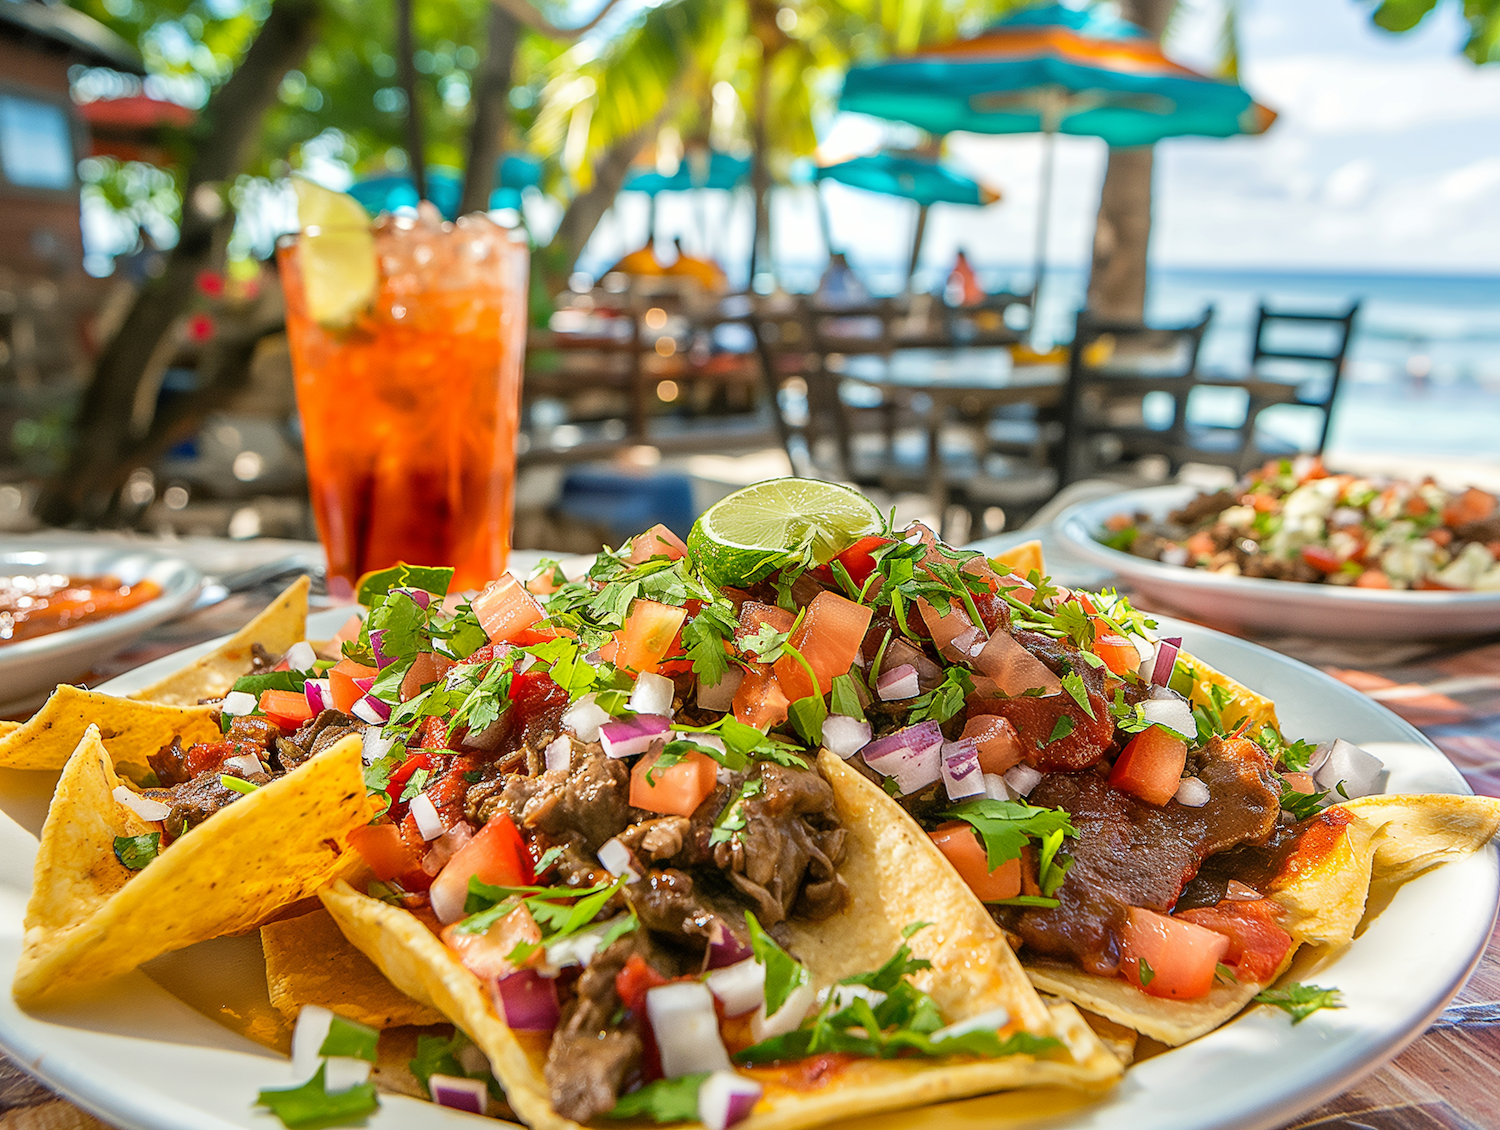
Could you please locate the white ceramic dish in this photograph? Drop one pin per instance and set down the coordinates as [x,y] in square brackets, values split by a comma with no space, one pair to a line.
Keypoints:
[1278,606]
[31,668]
[139,1057]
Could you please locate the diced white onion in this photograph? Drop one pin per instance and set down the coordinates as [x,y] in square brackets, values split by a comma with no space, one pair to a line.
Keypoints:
[144,807]
[617,859]
[1022,779]
[726,1098]
[239,703]
[720,696]
[377,745]
[708,741]
[1170,714]
[344,1071]
[845,995]
[425,813]
[740,987]
[991,1021]
[313,1022]
[844,736]
[1147,651]
[962,776]
[686,1029]
[1192,793]
[246,763]
[786,1018]
[652,694]
[579,948]
[898,683]
[559,753]
[365,711]
[995,787]
[300,656]
[1360,772]
[584,718]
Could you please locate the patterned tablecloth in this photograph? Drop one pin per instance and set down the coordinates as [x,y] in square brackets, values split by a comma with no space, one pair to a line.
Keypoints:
[1448,1079]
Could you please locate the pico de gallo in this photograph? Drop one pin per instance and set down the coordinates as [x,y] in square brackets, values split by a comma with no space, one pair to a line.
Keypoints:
[1292,520]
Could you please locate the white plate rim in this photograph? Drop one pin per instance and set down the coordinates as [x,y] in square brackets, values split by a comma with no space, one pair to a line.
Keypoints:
[1324,1056]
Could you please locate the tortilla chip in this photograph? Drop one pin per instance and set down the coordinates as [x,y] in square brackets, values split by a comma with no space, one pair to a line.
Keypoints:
[1023,558]
[131,731]
[308,961]
[282,624]
[8,728]
[1243,702]
[895,876]
[89,919]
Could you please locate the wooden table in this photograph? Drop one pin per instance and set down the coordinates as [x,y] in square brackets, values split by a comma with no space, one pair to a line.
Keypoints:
[1448,1079]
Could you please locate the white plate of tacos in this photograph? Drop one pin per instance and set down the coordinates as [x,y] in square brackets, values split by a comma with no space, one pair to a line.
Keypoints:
[132,870]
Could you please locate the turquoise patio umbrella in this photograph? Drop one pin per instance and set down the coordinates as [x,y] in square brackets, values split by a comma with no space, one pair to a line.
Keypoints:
[698,169]
[1054,70]
[386,192]
[913,177]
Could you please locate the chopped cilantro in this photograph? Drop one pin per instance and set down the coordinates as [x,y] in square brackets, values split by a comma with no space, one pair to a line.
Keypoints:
[1006,826]
[415,784]
[1026,900]
[732,819]
[1072,682]
[662,1100]
[1301,806]
[1147,974]
[271,681]
[1293,757]
[473,776]
[784,973]
[1225,974]
[1061,729]
[350,1038]
[1301,1001]
[807,716]
[237,784]
[844,697]
[134,852]
[943,701]
[427,578]
[703,639]
[437,1055]
[561,912]
[311,1104]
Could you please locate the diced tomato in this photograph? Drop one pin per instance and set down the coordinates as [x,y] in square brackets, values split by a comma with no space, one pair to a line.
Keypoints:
[1474,505]
[538,633]
[382,846]
[1440,536]
[1432,584]
[288,709]
[1150,766]
[1300,782]
[658,541]
[496,855]
[426,669]
[960,845]
[422,759]
[1180,958]
[1018,587]
[431,733]
[677,790]
[1200,544]
[505,609]
[1118,653]
[828,638]
[647,637]
[634,981]
[998,743]
[341,683]
[486,653]
[859,558]
[1257,943]
[754,616]
[1321,558]
[487,955]
[760,701]
[1088,605]
[1372,579]
[204,756]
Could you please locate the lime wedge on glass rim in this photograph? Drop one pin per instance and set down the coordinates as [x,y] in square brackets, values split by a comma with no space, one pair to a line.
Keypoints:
[335,253]
[741,538]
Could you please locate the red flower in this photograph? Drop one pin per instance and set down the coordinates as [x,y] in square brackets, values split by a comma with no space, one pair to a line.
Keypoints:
[200,328]
[211,283]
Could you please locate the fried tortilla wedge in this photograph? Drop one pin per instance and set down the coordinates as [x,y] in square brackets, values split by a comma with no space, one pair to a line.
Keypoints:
[8,728]
[1244,704]
[130,730]
[895,876]
[283,623]
[308,961]
[1322,887]
[89,918]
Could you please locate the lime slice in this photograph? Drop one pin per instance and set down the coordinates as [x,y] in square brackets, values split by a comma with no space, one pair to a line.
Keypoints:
[336,254]
[742,538]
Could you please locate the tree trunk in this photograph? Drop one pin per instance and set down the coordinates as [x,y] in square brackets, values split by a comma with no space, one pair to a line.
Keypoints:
[491,95]
[1122,234]
[222,139]
[760,171]
[406,68]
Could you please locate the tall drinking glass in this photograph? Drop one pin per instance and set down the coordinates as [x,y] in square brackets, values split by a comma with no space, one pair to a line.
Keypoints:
[409,412]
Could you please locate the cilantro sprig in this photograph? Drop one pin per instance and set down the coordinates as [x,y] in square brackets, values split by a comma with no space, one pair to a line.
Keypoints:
[1300,1001]
[1007,826]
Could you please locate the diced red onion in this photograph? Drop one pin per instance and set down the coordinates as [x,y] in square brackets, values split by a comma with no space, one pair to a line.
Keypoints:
[1192,793]
[1171,714]
[1022,779]
[898,683]
[1146,650]
[372,710]
[990,1021]
[377,642]
[421,597]
[1235,891]
[558,755]
[446,846]
[900,651]
[584,717]
[340,1072]
[144,807]
[319,696]
[912,757]
[627,737]
[311,1029]
[740,987]
[364,682]
[1359,772]
[960,769]
[844,736]
[527,1001]
[300,656]
[246,763]
[488,738]
[724,948]
[720,696]
[652,694]
[1014,669]
[787,1018]
[239,703]
[686,1029]
[618,859]
[995,787]
[458,1093]
[425,813]
[377,745]
[725,1099]
[1166,658]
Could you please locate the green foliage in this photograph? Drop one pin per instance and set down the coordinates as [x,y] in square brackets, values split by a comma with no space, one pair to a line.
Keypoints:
[1483,17]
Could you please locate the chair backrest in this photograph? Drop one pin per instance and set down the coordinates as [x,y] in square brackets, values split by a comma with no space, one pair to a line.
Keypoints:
[1318,355]
[792,371]
[1112,359]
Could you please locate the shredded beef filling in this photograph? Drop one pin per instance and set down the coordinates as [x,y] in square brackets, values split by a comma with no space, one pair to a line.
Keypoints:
[314,736]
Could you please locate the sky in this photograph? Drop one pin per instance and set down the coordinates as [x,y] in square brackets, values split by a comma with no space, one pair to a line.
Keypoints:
[1385,157]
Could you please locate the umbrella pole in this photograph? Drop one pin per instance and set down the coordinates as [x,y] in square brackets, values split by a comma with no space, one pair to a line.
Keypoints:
[916,244]
[1044,211]
[823,224]
[651,221]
